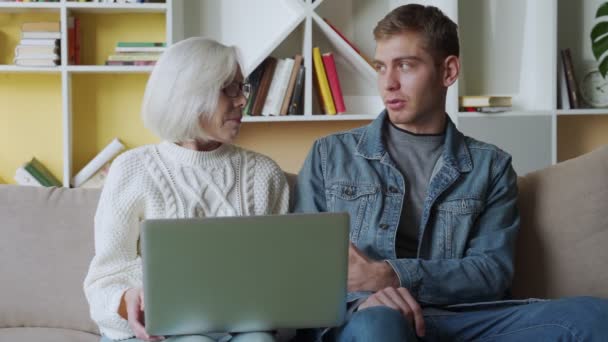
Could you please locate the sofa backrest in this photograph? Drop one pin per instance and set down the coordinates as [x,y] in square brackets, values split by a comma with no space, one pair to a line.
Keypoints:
[46,244]
[562,247]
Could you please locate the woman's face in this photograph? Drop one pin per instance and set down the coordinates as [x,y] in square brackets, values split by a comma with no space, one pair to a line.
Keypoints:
[225,123]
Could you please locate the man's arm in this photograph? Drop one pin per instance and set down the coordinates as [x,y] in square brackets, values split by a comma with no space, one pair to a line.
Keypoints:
[486,270]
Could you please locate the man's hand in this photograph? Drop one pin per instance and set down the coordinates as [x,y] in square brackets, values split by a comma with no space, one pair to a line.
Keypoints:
[367,275]
[401,300]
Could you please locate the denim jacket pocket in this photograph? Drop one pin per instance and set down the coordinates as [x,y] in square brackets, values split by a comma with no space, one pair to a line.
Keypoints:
[354,199]
[456,219]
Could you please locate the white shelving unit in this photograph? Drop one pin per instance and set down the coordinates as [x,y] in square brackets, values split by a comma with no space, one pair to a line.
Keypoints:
[65,9]
[507,48]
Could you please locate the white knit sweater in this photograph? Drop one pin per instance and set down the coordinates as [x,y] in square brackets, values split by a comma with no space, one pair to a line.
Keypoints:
[169,181]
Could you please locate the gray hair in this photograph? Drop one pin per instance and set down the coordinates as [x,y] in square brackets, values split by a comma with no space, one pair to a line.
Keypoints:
[185,84]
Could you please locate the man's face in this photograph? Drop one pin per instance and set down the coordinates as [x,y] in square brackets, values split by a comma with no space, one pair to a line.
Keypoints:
[409,80]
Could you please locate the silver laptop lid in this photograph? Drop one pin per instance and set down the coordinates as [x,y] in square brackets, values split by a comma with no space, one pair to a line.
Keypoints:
[250,273]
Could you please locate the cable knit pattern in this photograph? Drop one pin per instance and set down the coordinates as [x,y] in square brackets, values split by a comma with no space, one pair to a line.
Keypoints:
[168,181]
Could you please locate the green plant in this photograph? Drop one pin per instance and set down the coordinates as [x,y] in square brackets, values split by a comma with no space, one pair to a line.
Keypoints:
[599,38]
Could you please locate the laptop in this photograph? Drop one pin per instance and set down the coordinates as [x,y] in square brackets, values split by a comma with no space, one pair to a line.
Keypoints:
[241,274]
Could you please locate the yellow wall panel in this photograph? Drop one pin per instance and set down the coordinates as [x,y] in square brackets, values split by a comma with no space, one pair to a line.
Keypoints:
[30,122]
[107,106]
[578,135]
[288,143]
[101,32]
[10,30]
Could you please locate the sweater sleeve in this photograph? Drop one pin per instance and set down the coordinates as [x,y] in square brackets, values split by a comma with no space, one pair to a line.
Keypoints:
[271,188]
[116,265]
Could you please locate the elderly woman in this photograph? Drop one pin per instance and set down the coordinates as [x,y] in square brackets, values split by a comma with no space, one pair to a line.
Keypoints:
[193,102]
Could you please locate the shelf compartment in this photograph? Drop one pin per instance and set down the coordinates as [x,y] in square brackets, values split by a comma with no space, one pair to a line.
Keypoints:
[580,134]
[31,122]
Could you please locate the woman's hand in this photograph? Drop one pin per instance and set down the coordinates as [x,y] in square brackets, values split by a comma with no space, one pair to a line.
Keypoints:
[133,299]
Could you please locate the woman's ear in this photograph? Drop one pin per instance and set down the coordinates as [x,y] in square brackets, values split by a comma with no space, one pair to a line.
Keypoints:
[451,70]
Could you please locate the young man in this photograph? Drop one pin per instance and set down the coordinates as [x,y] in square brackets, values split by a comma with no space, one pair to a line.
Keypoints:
[433,213]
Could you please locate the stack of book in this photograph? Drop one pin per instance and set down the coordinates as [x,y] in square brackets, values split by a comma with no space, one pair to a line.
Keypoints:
[136,53]
[485,104]
[277,87]
[327,83]
[39,45]
[95,172]
[34,173]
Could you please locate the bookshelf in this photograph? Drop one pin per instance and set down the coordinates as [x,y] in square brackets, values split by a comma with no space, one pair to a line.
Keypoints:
[68,113]
[507,48]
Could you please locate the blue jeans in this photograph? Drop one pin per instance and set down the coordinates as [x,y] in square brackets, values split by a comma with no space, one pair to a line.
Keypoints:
[243,337]
[570,319]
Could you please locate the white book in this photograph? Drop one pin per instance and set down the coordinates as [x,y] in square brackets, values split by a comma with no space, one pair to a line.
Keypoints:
[39,42]
[140,49]
[22,177]
[51,56]
[271,97]
[109,152]
[283,82]
[40,35]
[27,62]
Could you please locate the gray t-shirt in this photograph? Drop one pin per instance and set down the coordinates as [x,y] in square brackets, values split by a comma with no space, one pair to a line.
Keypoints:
[415,156]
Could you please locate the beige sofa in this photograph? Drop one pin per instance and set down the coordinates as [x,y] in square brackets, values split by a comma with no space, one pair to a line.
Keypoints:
[46,244]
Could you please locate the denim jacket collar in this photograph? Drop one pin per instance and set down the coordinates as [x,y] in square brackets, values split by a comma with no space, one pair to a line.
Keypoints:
[456,153]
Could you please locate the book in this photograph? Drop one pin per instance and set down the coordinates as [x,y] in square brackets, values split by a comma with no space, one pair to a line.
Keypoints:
[133,63]
[322,85]
[276,93]
[487,110]
[39,42]
[36,62]
[140,49]
[107,154]
[484,101]
[254,80]
[36,174]
[334,82]
[40,35]
[140,44]
[297,64]
[42,26]
[22,177]
[574,95]
[134,57]
[262,92]
[562,92]
[23,50]
[98,179]
[297,98]
[44,172]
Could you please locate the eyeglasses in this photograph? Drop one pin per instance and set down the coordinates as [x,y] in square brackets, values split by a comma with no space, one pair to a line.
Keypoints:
[234,89]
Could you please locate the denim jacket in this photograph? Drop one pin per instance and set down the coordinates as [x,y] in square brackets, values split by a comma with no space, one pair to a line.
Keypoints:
[469,221]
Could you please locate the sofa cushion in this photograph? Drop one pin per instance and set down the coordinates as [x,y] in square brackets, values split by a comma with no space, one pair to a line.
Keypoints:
[46,335]
[45,250]
[562,248]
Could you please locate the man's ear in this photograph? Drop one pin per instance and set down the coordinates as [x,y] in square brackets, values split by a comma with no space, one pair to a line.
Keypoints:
[451,70]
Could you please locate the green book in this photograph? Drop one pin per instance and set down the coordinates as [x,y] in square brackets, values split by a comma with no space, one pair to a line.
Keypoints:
[141,44]
[32,171]
[45,172]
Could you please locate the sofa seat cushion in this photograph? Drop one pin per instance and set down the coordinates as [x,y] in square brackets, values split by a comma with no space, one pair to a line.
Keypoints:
[562,247]
[46,335]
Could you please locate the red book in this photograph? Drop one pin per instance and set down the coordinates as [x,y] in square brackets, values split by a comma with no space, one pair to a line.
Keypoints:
[334,82]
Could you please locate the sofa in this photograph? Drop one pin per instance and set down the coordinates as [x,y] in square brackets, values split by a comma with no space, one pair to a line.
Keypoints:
[47,244]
